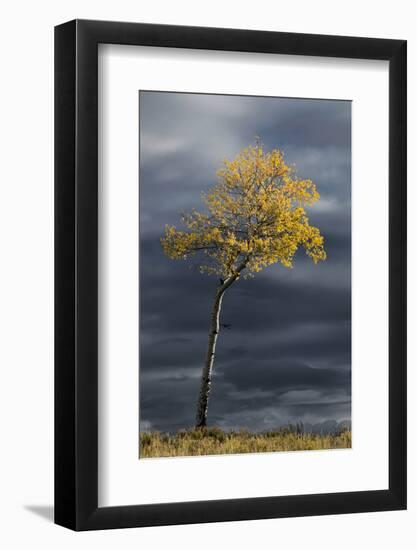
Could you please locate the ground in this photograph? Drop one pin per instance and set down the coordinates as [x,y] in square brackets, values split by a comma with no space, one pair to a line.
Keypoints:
[214,441]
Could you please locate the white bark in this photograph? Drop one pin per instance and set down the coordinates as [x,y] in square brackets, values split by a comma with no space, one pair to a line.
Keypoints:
[202,405]
[205,387]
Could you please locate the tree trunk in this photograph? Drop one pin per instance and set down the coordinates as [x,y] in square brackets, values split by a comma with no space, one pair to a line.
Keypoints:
[202,405]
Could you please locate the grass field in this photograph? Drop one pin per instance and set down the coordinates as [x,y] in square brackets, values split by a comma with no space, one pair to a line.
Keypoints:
[214,441]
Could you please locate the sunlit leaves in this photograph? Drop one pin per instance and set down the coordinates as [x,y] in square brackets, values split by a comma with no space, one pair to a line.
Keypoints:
[255,214]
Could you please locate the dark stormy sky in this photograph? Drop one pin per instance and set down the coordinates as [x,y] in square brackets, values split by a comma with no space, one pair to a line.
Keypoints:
[286,357]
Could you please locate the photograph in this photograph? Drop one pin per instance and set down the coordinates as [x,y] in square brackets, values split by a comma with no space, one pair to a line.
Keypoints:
[245,274]
[208,333]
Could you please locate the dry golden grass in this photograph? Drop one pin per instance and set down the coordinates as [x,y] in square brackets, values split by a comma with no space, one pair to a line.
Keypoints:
[213,441]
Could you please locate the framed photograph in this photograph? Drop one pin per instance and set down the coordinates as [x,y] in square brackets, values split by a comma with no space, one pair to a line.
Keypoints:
[230,255]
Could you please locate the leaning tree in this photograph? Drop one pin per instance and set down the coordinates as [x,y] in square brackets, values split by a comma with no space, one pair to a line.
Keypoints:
[255,216]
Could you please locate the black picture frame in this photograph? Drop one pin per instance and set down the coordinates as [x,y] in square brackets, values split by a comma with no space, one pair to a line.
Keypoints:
[76,272]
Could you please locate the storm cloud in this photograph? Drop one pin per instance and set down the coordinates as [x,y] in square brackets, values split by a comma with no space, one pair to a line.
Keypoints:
[287,355]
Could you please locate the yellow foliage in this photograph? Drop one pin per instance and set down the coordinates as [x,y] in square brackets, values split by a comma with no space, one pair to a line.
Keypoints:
[255,218]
